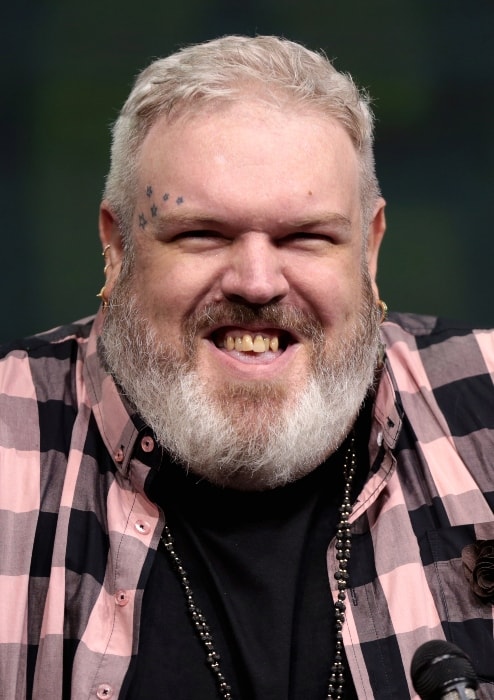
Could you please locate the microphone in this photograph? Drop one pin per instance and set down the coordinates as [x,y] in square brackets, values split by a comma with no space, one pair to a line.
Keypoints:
[442,671]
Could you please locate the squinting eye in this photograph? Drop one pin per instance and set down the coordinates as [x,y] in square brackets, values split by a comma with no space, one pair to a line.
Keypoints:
[199,240]
[308,237]
[197,234]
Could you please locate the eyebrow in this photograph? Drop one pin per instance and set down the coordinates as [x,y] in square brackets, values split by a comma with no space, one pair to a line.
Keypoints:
[201,220]
[185,218]
[321,219]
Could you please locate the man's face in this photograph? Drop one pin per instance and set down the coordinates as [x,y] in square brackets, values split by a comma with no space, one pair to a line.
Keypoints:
[248,257]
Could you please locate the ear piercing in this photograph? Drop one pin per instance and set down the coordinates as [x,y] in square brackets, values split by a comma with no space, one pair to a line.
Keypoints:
[102,293]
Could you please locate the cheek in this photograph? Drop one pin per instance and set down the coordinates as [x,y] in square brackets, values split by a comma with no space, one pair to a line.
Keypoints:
[173,290]
[333,294]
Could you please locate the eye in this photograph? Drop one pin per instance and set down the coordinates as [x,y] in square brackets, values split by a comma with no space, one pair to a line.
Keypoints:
[199,240]
[199,233]
[307,239]
[311,236]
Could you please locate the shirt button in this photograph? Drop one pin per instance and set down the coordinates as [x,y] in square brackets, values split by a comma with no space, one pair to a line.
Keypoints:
[147,444]
[142,527]
[119,456]
[121,598]
[104,691]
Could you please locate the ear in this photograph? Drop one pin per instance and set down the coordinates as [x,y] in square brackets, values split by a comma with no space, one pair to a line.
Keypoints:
[111,240]
[375,235]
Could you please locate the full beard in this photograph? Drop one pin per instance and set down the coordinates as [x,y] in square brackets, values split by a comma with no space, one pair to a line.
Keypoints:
[249,436]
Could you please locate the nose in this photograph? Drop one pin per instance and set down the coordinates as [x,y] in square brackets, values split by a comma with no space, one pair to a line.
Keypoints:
[254,273]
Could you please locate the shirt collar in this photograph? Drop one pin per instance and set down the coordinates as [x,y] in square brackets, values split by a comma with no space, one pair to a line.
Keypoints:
[387,411]
[118,427]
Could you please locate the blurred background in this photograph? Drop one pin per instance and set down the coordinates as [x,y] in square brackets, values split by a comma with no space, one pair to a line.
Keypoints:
[67,68]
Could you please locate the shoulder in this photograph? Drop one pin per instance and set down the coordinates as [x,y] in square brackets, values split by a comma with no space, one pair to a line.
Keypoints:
[50,341]
[42,360]
[431,335]
[428,351]
[429,329]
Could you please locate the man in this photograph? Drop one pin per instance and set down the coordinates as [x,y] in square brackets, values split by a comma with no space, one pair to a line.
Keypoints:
[233,482]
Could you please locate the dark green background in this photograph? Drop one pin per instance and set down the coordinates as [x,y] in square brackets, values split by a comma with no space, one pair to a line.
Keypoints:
[429,65]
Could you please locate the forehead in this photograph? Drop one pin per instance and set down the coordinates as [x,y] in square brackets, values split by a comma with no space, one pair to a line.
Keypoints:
[233,152]
[262,109]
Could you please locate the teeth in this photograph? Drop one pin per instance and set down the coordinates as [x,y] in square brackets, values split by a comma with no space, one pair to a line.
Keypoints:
[247,343]
[259,344]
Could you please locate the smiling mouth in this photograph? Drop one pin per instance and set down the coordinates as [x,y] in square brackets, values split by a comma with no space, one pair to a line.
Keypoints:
[240,340]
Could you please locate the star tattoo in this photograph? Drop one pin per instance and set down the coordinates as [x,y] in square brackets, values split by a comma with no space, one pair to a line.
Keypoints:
[154,210]
[142,221]
[166,197]
[180,200]
[149,190]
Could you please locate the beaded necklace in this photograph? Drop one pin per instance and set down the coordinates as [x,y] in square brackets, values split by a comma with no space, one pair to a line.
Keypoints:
[343,550]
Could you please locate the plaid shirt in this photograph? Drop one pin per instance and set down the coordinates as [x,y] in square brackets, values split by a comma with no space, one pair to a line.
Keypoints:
[78,535]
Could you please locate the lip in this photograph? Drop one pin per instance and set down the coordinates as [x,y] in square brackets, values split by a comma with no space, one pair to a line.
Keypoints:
[252,366]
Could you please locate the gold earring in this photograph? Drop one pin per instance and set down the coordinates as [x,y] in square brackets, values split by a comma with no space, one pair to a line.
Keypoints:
[102,295]
[383,307]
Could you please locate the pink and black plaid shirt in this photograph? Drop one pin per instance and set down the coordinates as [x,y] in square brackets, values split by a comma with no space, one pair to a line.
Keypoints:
[78,535]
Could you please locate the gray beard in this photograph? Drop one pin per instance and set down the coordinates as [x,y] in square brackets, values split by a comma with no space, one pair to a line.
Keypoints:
[246,436]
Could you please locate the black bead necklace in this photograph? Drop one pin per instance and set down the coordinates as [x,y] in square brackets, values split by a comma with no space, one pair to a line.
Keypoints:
[343,549]
[198,620]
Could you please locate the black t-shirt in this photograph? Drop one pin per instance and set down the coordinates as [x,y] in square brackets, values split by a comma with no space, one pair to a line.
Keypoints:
[257,566]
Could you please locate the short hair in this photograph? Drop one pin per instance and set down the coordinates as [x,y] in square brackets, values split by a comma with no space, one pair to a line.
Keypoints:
[224,70]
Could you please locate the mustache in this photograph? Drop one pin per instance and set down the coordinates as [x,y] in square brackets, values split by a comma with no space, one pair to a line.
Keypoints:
[227,313]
